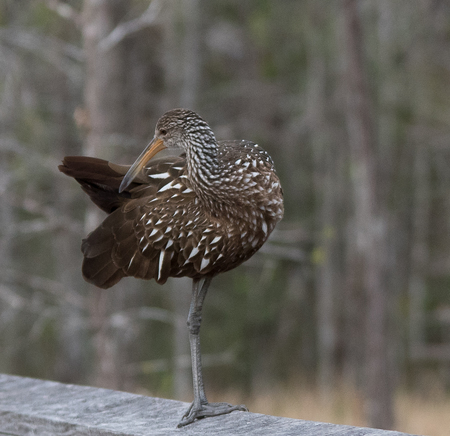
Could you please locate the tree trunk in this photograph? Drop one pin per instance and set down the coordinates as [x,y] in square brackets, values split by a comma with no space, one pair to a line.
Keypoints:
[371,225]
[104,107]
[324,186]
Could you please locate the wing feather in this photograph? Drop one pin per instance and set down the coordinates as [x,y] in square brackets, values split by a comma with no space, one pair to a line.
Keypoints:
[138,239]
[154,229]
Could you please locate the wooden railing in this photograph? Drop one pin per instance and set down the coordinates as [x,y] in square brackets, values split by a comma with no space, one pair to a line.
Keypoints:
[40,407]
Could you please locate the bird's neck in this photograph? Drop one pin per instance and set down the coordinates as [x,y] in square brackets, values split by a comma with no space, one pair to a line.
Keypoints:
[205,173]
[203,166]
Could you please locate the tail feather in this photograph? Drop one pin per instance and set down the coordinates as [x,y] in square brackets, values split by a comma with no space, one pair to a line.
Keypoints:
[114,250]
[99,267]
[94,169]
[98,179]
[101,271]
[101,181]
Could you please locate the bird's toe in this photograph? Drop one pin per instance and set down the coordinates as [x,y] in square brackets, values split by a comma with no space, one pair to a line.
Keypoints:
[208,409]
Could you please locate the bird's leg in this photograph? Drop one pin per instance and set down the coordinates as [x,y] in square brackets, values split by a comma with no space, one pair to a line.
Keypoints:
[194,322]
[200,408]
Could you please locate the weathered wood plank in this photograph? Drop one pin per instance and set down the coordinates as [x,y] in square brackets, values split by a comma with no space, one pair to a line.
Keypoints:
[40,407]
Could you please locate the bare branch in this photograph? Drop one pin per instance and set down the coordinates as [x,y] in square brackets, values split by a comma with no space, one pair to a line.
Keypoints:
[124,317]
[290,233]
[284,252]
[12,298]
[147,19]
[61,55]
[183,360]
[65,11]
[39,283]
[52,218]
[10,143]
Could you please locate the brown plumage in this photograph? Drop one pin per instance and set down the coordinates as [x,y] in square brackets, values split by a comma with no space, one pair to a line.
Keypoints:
[196,215]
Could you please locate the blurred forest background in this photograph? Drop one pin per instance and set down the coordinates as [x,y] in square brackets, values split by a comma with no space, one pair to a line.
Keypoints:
[344,315]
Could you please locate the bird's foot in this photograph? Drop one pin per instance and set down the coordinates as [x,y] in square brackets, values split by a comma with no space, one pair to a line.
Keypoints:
[206,410]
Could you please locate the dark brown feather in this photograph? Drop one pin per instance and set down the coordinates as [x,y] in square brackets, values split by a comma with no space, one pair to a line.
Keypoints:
[158,227]
[98,180]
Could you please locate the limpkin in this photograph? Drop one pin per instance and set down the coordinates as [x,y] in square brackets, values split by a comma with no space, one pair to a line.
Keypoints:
[196,215]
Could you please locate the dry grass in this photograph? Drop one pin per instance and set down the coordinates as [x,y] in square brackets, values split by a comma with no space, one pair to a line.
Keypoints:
[416,414]
[425,416]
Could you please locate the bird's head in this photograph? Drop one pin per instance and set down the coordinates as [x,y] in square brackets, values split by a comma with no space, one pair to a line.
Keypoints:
[179,129]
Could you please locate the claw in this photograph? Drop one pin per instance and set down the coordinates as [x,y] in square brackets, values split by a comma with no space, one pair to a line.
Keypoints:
[206,410]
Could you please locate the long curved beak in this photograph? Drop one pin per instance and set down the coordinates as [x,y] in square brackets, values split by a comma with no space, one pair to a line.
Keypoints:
[155,146]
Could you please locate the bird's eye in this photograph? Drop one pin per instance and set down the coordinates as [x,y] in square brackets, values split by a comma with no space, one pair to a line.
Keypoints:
[163,132]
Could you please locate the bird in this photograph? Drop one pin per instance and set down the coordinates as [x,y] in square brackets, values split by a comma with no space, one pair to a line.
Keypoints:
[196,214]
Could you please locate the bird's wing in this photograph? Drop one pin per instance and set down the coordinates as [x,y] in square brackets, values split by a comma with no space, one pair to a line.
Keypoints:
[159,230]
